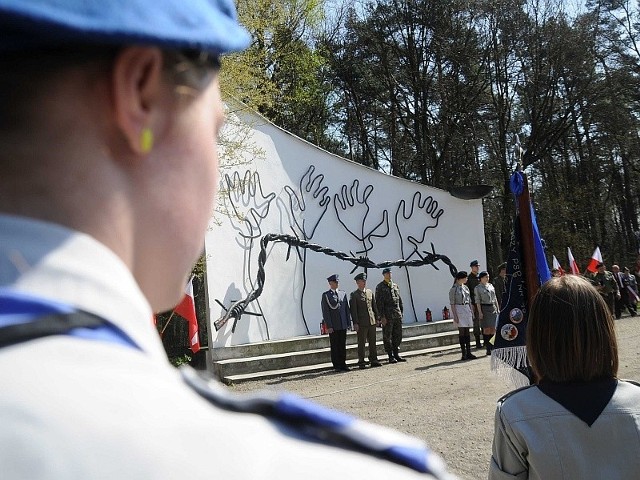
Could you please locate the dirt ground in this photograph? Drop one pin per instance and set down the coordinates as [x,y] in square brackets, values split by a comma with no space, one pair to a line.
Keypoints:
[448,403]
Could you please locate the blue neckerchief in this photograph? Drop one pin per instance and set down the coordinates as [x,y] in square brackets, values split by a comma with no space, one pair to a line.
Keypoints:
[21,309]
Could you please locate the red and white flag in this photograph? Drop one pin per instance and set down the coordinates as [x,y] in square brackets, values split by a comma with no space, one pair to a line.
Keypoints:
[572,263]
[596,258]
[557,266]
[187,310]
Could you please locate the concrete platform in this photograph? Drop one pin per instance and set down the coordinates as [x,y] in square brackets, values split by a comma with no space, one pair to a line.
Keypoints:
[312,353]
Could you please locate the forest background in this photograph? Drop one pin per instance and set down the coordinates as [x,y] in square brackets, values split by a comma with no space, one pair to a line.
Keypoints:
[440,92]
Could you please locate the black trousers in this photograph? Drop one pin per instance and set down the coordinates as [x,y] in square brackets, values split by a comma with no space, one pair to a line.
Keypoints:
[338,342]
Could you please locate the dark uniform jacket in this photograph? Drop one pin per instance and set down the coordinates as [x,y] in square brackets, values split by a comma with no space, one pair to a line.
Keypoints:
[335,309]
[472,282]
[363,307]
[388,300]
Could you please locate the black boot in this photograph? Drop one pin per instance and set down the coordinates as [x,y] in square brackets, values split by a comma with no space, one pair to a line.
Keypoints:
[392,358]
[396,355]
[463,347]
[478,344]
[487,343]
[470,356]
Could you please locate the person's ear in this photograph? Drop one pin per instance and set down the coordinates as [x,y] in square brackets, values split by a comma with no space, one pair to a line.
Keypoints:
[136,91]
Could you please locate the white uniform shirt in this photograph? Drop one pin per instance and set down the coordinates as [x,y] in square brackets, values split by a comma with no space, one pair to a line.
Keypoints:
[536,438]
[73,408]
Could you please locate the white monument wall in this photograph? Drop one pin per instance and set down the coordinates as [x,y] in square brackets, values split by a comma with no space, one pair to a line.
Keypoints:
[295,188]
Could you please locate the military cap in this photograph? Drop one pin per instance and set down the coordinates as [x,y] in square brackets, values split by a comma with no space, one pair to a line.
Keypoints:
[600,264]
[461,274]
[360,276]
[333,278]
[386,270]
[210,25]
[483,273]
[502,266]
[474,263]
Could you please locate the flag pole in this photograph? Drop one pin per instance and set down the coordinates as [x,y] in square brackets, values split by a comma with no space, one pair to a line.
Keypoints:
[167,324]
[526,230]
[529,255]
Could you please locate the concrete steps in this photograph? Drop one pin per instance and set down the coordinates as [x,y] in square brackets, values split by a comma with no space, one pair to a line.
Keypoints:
[312,353]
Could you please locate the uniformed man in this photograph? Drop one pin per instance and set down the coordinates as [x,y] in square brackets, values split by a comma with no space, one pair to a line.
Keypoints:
[500,282]
[364,315]
[472,282]
[390,309]
[108,171]
[606,284]
[337,318]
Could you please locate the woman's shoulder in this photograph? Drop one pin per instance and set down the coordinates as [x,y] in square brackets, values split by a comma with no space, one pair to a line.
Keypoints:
[513,393]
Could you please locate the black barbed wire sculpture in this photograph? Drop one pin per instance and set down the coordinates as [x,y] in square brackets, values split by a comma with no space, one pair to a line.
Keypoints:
[237,308]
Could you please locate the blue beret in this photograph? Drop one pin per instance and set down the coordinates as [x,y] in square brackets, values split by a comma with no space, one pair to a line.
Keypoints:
[206,25]
[332,278]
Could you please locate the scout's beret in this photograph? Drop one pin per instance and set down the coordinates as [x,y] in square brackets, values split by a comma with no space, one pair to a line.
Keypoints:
[360,276]
[502,266]
[386,270]
[483,273]
[333,278]
[461,274]
[474,263]
[205,25]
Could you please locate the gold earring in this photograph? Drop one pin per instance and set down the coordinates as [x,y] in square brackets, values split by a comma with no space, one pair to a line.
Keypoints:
[146,140]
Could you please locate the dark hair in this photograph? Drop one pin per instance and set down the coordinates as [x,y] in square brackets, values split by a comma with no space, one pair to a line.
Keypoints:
[571,334]
[461,274]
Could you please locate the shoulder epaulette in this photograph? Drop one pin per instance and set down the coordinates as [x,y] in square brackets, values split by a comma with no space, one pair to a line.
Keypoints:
[513,392]
[633,382]
[317,423]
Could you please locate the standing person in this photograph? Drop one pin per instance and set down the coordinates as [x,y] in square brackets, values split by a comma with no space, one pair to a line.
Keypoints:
[389,303]
[621,300]
[472,282]
[578,420]
[364,314]
[335,314]
[500,283]
[108,174]
[460,301]
[487,307]
[632,292]
[606,284]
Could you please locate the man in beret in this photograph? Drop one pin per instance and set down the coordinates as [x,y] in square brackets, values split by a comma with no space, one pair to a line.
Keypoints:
[500,282]
[337,318]
[473,281]
[364,314]
[389,303]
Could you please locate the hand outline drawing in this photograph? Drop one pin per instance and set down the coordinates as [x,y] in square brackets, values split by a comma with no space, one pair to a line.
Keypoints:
[409,228]
[350,200]
[247,192]
[311,191]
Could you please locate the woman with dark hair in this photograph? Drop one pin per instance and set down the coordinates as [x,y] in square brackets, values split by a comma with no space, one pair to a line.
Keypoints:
[578,420]
[460,300]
